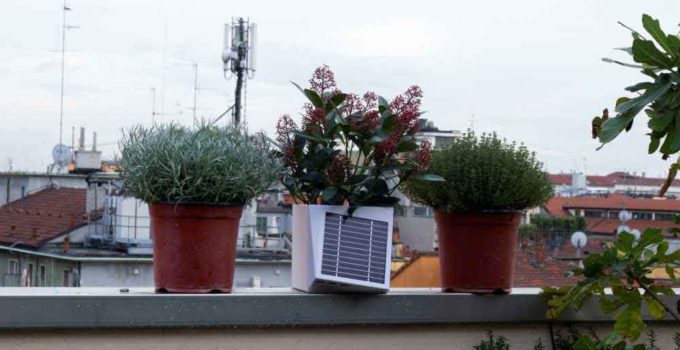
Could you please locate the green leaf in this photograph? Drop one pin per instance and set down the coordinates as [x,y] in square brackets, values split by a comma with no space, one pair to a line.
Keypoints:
[674,144]
[645,52]
[329,193]
[383,105]
[629,323]
[653,27]
[640,86]
[670,271]
[658,122]
[407,146]
[388,123]
[650,95]
[314,98]
[656,310]
[653,144]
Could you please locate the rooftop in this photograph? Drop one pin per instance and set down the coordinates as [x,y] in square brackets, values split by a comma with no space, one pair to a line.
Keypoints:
[42,216]
[619,177]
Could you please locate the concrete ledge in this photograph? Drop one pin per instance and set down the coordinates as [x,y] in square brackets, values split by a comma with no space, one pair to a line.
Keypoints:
[65,308]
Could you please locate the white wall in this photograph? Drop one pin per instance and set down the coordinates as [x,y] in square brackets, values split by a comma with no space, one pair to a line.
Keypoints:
[140,274]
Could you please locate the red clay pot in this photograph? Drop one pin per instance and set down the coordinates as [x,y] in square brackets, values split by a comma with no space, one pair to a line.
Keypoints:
[194,247]
[477,251]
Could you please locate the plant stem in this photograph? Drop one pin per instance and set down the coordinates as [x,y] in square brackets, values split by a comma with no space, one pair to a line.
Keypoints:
[655,297]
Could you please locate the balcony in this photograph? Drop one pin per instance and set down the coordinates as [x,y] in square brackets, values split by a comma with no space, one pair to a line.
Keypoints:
[270,318]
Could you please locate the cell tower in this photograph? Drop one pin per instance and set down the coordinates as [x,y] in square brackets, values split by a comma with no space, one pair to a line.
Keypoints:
[239,58]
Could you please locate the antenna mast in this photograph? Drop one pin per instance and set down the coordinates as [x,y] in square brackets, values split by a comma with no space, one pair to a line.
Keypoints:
[64,26]
[239,58]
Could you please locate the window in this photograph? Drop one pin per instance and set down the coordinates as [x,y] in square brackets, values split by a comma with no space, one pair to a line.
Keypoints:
[642,215]
[261,224]
[598,214]
[614,214]
[42,279]
[66,278]
[13,267]
[664,216]
[29,275]
[399,210]
[423,211]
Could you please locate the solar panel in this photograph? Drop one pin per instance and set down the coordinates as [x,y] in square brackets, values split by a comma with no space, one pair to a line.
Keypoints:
[354,248]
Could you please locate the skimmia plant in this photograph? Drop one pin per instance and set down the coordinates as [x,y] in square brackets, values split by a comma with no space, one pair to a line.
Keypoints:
[174,164]
[625,267]
[658,57]
[351,149]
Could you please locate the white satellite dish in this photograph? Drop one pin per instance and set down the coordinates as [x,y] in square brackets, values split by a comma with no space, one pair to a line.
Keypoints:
[62,156]
[624,215]
[623,228]
[579,239]
[635,232]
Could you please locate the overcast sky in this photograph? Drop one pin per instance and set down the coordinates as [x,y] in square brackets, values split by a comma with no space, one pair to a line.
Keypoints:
[530,70]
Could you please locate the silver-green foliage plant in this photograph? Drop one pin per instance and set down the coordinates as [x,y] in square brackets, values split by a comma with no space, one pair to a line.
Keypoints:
[481,174]
[170,163]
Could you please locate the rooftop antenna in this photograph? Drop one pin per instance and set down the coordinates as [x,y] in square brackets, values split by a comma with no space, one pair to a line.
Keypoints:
[153,106]
[64,28]
[195,90]
[239,56]
[472,122]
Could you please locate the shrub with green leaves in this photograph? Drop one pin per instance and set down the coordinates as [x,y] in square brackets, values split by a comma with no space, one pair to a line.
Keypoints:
[171,163]
[483,173]
[658,58]
[625,268]
[493,343]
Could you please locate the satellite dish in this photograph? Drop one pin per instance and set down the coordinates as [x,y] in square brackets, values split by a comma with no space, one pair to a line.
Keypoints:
[61,154]
[635,232]
[579,239]
[624,215]
[623,228]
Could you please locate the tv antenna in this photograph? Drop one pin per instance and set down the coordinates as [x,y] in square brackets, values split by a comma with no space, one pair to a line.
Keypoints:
[238,56]
[64,28]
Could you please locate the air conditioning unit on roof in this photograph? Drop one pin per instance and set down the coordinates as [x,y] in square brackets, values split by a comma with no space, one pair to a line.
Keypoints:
[335,253]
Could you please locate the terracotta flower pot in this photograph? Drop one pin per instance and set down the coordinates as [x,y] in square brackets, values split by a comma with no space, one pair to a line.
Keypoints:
[194,247]
[477,251]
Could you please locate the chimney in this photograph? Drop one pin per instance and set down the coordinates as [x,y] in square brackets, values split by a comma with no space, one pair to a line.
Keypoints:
[94,141]
[67,244]
[81,145]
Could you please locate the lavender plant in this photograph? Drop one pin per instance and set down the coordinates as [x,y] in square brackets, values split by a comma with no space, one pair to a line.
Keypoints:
[171,163]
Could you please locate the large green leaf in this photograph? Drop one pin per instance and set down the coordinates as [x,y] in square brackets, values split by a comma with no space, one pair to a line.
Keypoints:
[640,86]
[654,143]
[650,95]
[629,323]
[659,122]
[653,27]
[612,127]
[645,52]
[675,144]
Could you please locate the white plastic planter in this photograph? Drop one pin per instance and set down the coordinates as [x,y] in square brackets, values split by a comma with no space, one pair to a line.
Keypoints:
[335,253]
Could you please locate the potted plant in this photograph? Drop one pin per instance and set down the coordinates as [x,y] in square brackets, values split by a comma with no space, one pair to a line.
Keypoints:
[478,209]
[196,182]
[342,167]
